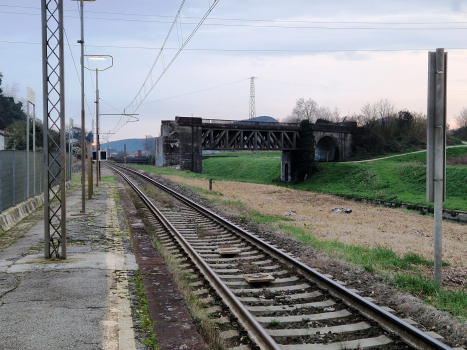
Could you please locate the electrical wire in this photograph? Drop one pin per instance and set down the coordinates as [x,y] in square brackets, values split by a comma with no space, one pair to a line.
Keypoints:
[245,50]
[76,69]
[272,26]
[248,20]
[186,94]
[135,103]
[194,92]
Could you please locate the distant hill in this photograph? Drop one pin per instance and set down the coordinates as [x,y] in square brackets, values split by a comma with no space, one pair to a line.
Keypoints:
[263,118]
[132,145]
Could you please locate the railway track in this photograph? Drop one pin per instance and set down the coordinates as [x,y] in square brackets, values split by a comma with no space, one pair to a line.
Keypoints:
[298,309]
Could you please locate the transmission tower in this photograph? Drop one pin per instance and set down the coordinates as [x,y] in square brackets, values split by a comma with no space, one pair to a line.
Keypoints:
[252,98]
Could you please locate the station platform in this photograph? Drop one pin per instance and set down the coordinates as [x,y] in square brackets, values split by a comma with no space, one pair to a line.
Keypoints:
[84,301]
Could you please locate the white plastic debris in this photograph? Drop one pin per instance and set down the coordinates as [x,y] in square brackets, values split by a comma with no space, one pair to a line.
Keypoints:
[341,210]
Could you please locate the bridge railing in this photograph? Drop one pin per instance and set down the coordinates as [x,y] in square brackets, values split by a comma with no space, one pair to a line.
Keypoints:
[248,123]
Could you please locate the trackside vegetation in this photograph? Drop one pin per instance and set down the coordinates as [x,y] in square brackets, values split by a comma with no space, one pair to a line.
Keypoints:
[399,179]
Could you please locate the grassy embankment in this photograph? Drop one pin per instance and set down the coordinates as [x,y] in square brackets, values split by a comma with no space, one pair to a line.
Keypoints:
[400,179]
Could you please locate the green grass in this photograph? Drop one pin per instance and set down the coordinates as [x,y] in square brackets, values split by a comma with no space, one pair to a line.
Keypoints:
[371,259]
[255,169]
[109,179]
[399,179]
[453,301]
[141,311]
[385,261]
[166,171]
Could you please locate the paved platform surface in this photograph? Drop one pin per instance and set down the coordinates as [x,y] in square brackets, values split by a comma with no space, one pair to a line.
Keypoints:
[78,303]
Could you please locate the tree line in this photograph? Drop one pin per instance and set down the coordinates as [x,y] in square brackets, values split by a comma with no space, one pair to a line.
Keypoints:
[379,128]
[13,119]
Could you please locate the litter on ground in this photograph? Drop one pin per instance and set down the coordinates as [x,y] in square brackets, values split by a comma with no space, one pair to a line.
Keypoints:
[342,210]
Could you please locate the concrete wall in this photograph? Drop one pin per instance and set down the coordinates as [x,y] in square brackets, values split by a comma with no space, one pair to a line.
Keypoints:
[181,146]
[2,142]
[337,144]
[159,153]
[286,166]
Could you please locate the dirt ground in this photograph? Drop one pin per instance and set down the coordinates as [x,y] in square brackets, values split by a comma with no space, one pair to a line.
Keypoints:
[401,230]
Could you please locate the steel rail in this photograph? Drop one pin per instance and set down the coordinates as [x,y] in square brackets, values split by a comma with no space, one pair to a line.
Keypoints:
[411,335]
[256,332]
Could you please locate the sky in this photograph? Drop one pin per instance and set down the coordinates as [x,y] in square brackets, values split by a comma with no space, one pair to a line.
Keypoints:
[342,54]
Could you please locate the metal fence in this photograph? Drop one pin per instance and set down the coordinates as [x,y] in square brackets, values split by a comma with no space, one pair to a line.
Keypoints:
[14,177]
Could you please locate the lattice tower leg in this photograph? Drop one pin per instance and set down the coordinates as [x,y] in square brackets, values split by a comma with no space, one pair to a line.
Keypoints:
[252,98]
[54,129]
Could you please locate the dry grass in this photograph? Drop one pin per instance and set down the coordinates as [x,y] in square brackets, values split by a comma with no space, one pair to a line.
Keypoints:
[456,161]
[398,229]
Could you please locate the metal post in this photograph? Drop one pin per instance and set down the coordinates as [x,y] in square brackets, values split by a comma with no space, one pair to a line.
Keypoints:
[436,149]
[14,179]
[90,189]
[98,153]
[31,99]
[124,153]
[34,144]
[62,149]
[70,145]
[53,87]
[83,149]
[27,149]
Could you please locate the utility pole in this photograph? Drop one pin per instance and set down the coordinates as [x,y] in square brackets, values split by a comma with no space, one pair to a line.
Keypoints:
[98,143]
[31,99]
[83,126]
[252,98]
[70,145]
[436,151]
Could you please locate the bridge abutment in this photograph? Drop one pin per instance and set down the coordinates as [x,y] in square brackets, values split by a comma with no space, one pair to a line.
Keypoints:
[179,144]
[286,165]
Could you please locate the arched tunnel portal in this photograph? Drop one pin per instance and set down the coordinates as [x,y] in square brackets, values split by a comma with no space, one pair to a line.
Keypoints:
[327,149]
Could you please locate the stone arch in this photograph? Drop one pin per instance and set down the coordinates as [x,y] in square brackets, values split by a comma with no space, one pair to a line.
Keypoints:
[327,149]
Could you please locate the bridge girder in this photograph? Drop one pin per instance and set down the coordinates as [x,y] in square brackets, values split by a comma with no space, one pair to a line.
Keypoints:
[225,139]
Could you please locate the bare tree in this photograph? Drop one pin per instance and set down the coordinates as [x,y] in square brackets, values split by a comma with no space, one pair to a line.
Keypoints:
[12,90]
[303,110]
[325,113]
[462,118]
[383,110]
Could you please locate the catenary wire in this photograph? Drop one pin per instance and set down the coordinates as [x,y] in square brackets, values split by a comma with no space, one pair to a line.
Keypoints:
[246,50]
[248,20]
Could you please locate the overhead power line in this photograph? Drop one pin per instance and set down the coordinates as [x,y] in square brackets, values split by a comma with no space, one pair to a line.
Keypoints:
[283,26]
[149,83]
[185,94]
[76,69]
[245,50]
[244,19]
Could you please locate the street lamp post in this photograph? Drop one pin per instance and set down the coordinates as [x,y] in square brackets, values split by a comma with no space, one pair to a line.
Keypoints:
[31,99]
[98,144]
[83,146]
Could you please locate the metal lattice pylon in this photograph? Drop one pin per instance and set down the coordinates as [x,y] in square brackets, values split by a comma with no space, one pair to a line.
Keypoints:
[53,85]
[252,98]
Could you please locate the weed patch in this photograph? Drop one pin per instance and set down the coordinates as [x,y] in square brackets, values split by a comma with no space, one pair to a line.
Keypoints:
[453,301]
[141,312]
